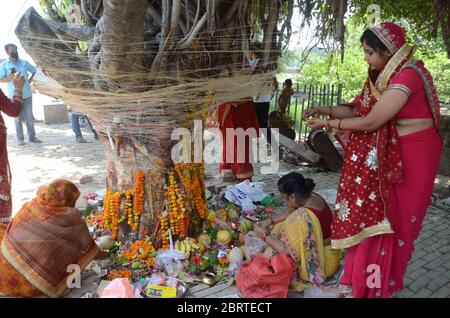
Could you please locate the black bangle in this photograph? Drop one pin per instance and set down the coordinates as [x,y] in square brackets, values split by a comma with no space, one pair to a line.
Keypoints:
[331,112]
[339,125]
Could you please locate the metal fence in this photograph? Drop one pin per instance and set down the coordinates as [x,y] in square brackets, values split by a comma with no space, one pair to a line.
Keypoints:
[309,95]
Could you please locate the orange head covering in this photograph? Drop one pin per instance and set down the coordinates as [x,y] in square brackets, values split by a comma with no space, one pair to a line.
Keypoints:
[58,194]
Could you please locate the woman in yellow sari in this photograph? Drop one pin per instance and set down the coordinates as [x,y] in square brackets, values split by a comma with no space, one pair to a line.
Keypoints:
[46,236]
[298,232]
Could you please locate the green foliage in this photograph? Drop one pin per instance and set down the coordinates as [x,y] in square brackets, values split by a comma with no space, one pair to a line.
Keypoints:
[438,64]
[59,6]
[324,68]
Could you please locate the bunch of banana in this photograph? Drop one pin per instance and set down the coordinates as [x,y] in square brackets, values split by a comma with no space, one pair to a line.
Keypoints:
[187,246]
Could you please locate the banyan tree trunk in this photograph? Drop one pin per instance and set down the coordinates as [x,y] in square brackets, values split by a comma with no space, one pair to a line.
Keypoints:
[138,51]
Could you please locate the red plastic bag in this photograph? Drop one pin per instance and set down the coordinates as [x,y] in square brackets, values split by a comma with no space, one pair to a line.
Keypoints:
[265,277]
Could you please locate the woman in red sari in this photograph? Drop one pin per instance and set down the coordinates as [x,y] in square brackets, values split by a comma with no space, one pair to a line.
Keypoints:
[392,158]
[236,115]
[13,109]
[46,236]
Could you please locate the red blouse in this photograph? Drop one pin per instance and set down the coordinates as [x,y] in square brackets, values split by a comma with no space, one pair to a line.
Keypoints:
[325,217]
[408,81]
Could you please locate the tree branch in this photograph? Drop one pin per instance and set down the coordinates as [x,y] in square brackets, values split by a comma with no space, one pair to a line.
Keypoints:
[81,33]
[268,31]
[195,30]
[176,11]
[86,14]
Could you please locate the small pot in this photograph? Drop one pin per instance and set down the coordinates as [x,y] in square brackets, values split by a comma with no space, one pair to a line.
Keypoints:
[209,279]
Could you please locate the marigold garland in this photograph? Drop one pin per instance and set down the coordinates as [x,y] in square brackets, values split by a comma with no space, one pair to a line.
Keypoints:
[139,250]
[114,210]
[164,230]
[119,273]
[189,175]
[106,216]
[138,199]
[129,206]
[176,205]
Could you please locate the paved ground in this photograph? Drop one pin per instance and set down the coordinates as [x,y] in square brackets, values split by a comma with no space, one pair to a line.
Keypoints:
[428,273]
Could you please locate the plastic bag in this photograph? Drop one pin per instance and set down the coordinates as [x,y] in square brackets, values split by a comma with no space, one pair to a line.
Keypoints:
[253,190]
[158,279]
[253,245]
[265,277]
[238,197]
[118,288]
[236,258]
[170,261]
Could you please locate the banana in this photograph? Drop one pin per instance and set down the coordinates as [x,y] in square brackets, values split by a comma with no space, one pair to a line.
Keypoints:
[177,245]
[191,244]
[183,246]
[186,249]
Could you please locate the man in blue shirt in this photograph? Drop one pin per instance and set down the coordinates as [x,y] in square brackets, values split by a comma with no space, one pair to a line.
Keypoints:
[7,71]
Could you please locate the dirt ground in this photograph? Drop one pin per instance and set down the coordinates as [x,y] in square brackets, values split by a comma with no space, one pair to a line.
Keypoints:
[58,156]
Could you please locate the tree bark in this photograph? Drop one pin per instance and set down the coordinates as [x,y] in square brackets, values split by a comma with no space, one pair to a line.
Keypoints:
[268,32]
[122,44]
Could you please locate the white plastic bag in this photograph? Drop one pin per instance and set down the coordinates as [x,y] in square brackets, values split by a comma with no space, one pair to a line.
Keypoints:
[236,258]
[233,194]
[253,190]
[170,261]
[253,245]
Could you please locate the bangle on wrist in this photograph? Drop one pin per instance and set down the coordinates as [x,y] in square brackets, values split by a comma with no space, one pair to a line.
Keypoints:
[331,112]
[339,125]
[272,222]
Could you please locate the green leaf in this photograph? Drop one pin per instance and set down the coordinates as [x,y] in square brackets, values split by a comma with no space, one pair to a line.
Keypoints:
[123,260]
[213,260]
[230,281]
[193,268]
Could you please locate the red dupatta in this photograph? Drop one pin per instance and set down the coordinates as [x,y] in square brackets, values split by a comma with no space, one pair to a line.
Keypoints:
[372,160]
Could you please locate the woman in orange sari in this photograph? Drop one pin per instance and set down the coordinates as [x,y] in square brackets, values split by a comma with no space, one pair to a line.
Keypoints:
[46,236]
[391,161]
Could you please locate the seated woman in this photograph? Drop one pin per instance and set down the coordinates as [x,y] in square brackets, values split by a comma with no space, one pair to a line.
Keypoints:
[302,231]
[46,236]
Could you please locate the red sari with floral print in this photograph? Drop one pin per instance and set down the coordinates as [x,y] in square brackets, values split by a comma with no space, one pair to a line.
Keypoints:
[379,209]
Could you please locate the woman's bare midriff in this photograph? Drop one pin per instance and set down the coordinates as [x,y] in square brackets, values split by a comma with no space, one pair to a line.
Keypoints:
[408,126]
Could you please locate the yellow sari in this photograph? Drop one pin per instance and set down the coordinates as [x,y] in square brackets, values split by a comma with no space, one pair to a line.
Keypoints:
[302,234]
